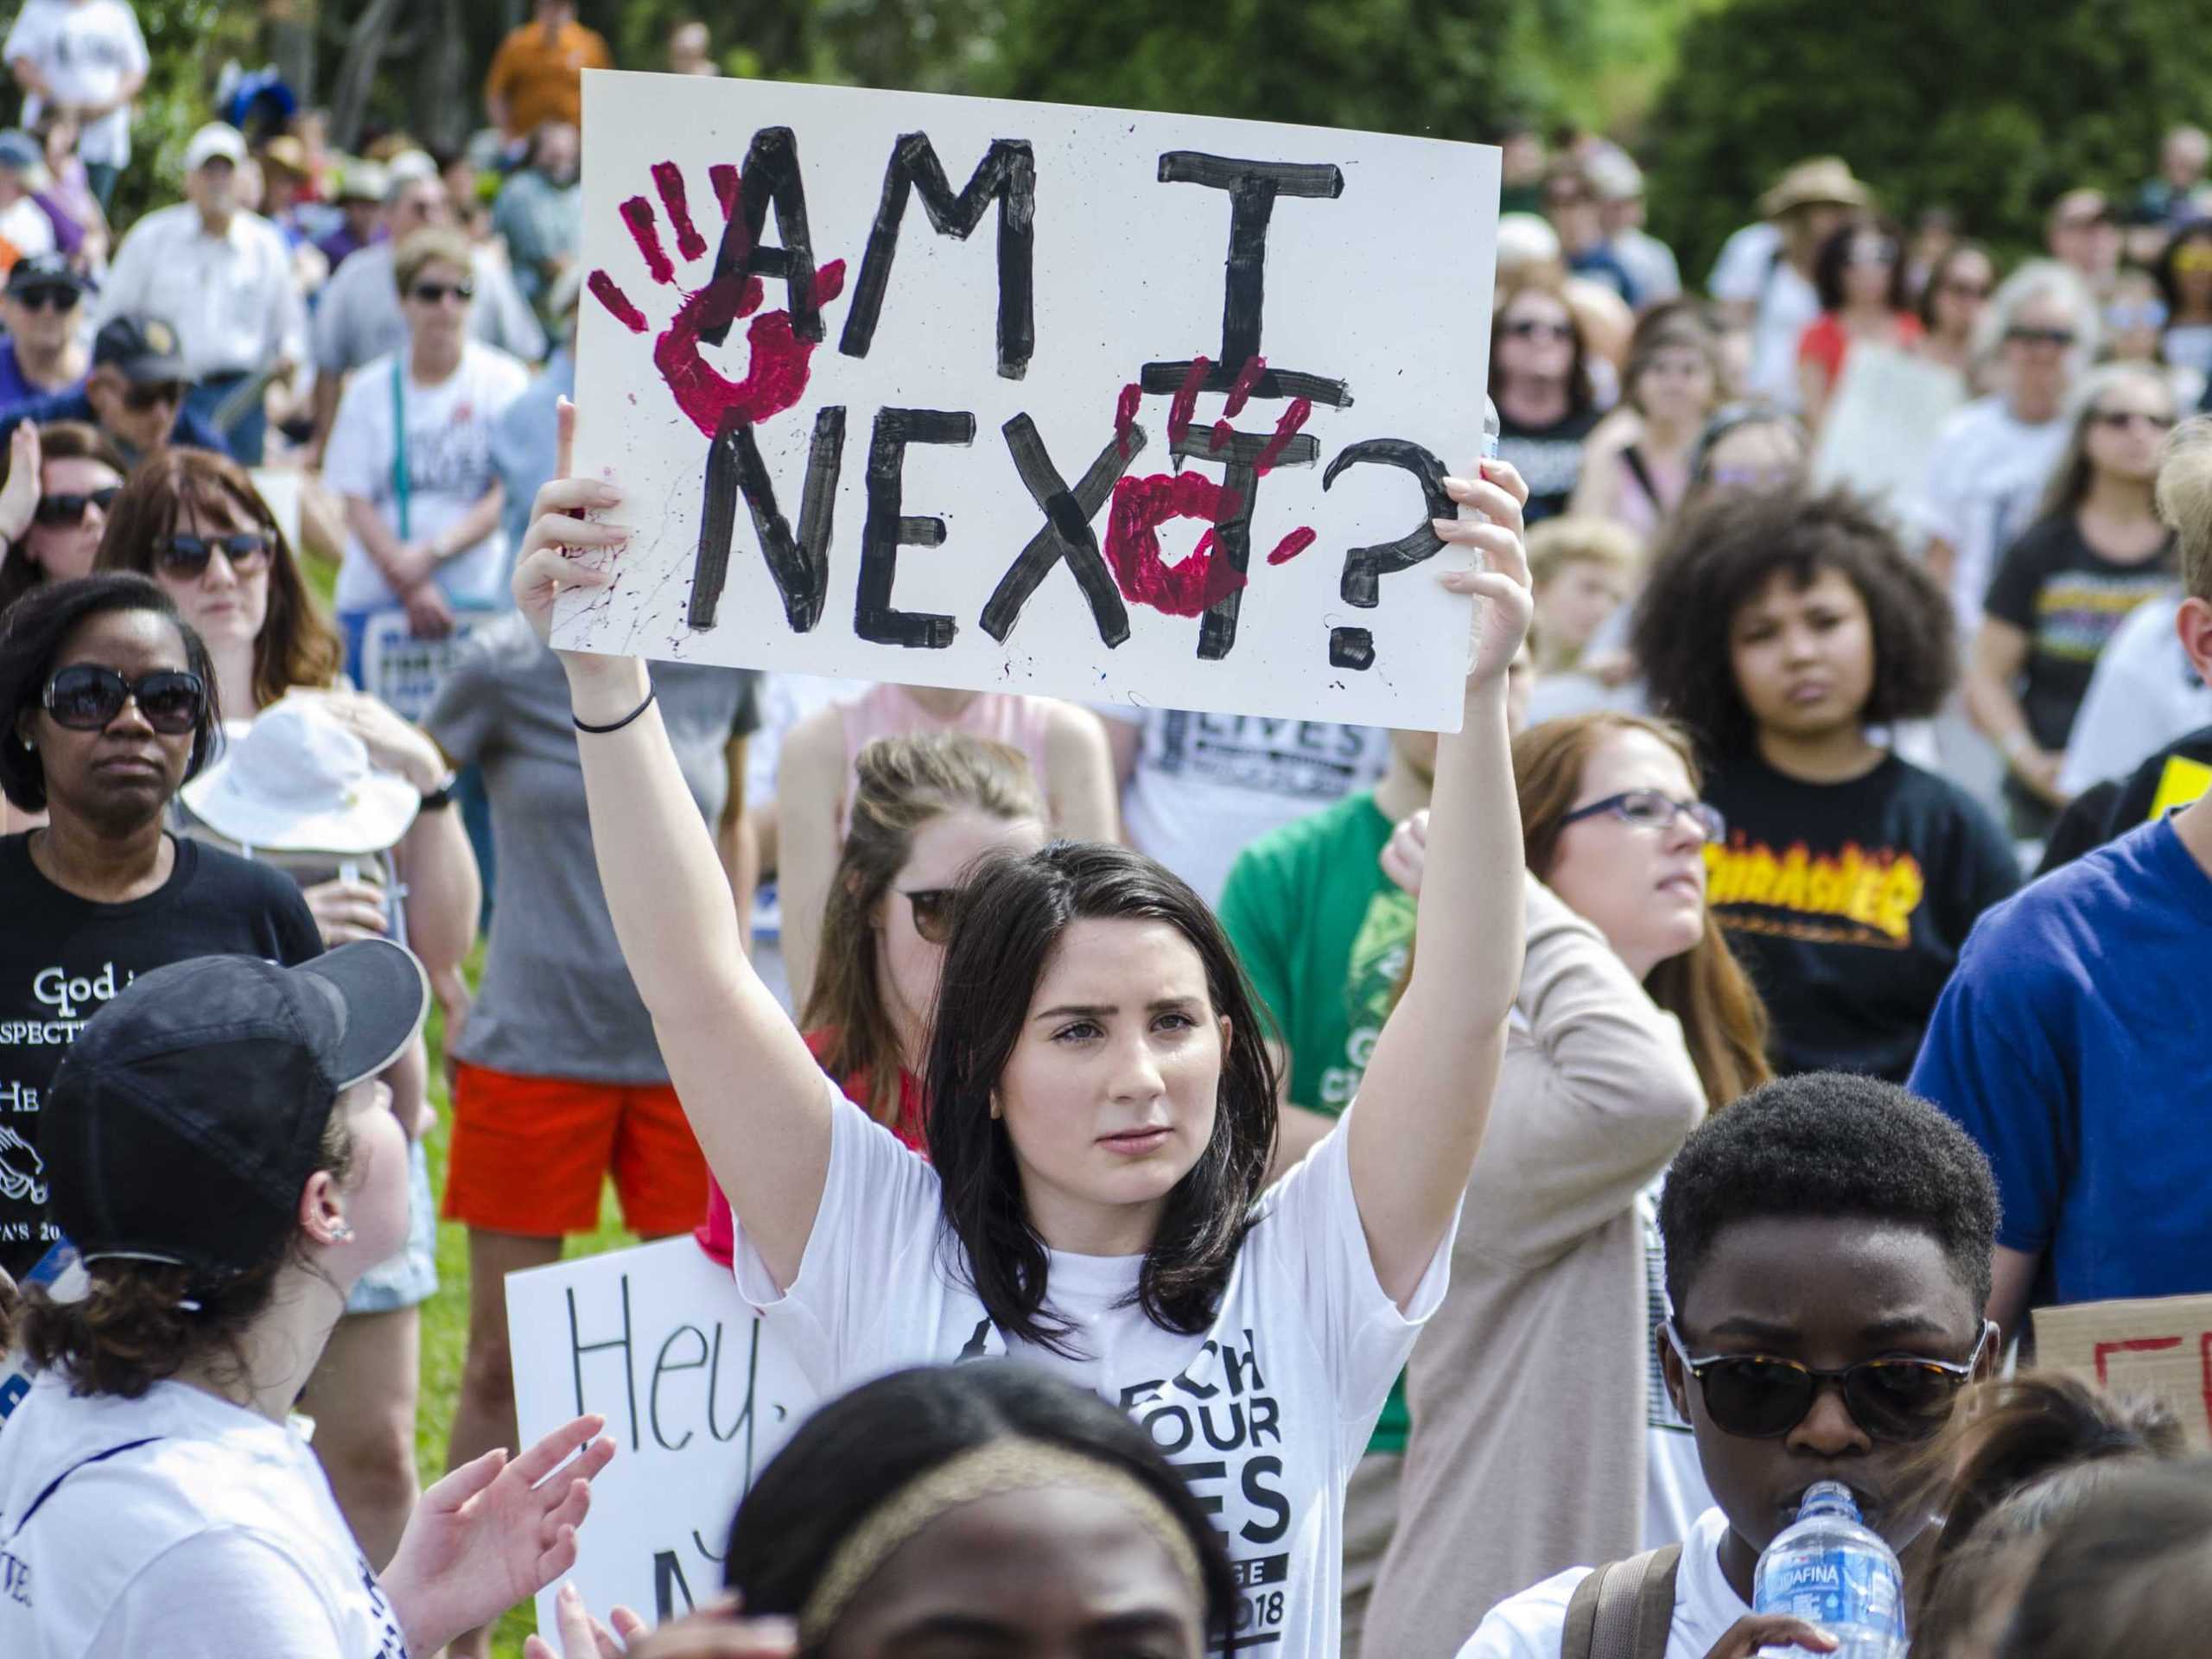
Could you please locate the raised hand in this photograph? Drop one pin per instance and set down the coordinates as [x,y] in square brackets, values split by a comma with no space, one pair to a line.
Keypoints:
[714,1632]
[1490,521]
[19,496]
[548,563]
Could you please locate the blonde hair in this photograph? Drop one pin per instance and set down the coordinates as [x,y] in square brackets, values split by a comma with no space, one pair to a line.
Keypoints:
[1579,539]
[2070,479]
[434,244]
[2185,500]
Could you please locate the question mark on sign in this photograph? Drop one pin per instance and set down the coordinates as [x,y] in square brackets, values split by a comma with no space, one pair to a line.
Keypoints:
[1365,567]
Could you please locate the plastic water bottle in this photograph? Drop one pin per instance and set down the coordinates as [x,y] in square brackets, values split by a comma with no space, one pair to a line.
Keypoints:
[1829,1569]
[1491,426]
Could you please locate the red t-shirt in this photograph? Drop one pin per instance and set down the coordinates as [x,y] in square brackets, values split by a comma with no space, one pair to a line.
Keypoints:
[717,1234]
[1825,342]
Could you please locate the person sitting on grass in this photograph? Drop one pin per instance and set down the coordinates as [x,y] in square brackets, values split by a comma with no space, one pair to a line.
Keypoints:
[1828,1242]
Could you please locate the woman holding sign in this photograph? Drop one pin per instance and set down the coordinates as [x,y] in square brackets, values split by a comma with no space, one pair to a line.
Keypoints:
[1102,1110]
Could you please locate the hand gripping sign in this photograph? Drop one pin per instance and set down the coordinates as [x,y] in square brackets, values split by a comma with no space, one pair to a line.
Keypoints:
[1010,397]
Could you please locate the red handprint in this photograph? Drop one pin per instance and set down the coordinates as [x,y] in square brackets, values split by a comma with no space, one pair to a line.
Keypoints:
[775,378]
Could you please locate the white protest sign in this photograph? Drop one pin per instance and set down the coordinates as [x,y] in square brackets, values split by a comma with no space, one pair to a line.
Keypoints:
[1146,408]
[1883,421]
[696,1399]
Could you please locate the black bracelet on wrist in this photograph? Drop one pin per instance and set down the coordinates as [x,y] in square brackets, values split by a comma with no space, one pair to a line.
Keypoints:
[438,799]
[599,731]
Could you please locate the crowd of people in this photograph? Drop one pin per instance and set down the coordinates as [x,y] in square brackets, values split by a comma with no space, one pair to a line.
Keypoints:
[1425,1195]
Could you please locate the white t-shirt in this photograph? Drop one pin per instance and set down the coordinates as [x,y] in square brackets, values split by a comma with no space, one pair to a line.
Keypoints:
[1787,306]
[448,466]
[1531,1625]
[1985,477]
[1674,1492]
[1745,257]
[84,53]
[180,1525]
[1206,786]
[1265,1413]
[2145,695]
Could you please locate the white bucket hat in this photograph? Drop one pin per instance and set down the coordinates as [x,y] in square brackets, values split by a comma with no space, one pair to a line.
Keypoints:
[299,782]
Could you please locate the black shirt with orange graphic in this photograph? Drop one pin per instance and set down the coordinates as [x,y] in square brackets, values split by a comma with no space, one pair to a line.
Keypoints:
[1848,904]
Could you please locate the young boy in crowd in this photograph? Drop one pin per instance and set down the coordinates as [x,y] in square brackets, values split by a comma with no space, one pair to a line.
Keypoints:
[1583,568]
[1828,1242]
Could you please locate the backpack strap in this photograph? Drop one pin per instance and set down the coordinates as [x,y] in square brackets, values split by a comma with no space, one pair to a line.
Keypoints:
[1625,1609]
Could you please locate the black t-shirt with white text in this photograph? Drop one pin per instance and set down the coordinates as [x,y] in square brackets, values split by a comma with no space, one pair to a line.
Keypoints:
[1549,458]
[1848,903]
[62,958]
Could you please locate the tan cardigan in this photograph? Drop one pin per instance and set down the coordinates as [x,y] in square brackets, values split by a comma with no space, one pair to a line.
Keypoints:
[1527,1454]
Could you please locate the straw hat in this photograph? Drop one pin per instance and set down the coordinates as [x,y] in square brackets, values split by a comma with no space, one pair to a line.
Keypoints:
[1824,181]
[299,782]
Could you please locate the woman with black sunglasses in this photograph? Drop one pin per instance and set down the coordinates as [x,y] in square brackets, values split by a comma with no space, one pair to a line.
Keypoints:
[106,708]
[62,480]
[1539,379]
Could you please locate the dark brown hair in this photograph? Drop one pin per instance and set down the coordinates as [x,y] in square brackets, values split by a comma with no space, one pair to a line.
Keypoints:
[1835,258]
[57,440]
[900,784]
[141,1322]
[1723,1020]
[1667,329]
[296,646]
[1721,553]
[2127,1573]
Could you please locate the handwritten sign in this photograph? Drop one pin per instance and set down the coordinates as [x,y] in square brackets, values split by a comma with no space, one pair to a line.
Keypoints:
[1882,420]
[696,1399]
[2159,1345]
[1106,404]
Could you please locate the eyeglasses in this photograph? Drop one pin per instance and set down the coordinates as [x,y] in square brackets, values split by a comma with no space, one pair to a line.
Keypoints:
[2060,338]
[932,908]
[2119,418]
[1759,1398]
[1650,808]
[432,293]
[154,392]
[2139,314]
[187,557]
[70,509]
[1530,328]
[55,298]
[85,698]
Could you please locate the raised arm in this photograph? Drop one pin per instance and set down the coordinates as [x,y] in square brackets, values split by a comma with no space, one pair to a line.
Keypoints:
[1084,806]
[810,796]
[1422,1105]
[752,1093]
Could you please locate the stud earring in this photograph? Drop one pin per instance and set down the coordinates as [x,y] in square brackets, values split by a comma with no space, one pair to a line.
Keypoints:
[341,1233]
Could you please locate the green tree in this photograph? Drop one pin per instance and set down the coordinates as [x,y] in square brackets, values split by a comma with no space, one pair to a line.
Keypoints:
[1953,103]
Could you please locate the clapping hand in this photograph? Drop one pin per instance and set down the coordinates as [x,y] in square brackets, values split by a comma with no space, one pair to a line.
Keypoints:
[714,1632]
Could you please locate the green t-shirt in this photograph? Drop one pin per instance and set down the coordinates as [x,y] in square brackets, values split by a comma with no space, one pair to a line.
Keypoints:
[1296,903]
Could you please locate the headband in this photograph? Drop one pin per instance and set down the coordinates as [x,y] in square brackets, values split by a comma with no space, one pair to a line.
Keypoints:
[989,1471]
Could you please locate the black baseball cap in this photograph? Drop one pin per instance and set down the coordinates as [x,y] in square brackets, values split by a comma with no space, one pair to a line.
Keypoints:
[182,1124]
[144,348]
[47,270]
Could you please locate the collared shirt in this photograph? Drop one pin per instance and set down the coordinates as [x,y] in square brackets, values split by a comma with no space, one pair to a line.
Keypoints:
[542,78]
[229,297]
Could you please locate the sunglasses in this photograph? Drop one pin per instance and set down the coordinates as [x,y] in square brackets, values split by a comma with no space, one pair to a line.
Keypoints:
[1758,1397]
[85,698]
[70,509]
[932,908]
[2061,338]
[1529,328]
[1649,809]
[432,293]
[187,557]
[154,393]
[56,298]
[2139,314]
[2120,419]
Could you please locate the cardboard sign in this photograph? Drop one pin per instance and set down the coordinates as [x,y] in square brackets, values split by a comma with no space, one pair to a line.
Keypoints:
[1882,422]
[696,1399]
[1102,404]
[2160,1346]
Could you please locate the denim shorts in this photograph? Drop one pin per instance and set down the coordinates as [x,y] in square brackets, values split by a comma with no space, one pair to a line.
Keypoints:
[409,1278]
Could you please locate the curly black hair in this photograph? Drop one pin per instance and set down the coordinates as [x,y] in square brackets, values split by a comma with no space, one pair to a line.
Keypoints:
[1826,1144]
[1720,555]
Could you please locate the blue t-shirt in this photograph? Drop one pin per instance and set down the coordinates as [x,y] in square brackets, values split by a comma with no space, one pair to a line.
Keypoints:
[2070,1045]
[14,390]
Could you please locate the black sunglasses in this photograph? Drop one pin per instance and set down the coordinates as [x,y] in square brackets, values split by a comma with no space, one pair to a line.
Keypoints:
[1759,1398]
[432,293]
[141,399]
[932,908]
[1530,328]
[70,509]
[2058,337]
[53,298]
[85,698]
[187,557]
[1649,808]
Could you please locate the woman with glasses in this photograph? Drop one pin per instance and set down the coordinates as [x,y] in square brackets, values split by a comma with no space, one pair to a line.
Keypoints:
[194,524]
[1634,1022]
[924,808]
[62,480]
[410,453]
[107,705]
[1860,273]
[1958,287]
[1539,379]
[2096,551]
[2184,273]
[1789,632]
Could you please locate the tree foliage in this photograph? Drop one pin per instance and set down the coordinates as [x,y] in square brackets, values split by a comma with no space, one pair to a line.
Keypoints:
[1989,112]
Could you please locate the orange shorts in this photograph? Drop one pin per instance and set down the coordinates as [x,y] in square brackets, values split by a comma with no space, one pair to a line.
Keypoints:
[529,1156]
